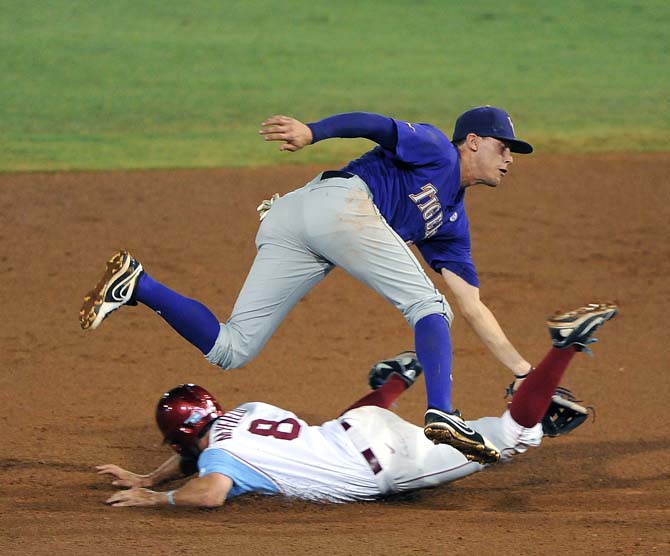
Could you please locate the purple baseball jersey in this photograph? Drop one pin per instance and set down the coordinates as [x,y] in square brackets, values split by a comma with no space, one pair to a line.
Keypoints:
[416,187]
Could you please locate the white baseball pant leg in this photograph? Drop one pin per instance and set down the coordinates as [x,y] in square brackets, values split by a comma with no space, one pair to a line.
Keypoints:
[410,461]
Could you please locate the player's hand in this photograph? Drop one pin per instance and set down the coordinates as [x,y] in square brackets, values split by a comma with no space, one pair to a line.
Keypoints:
[514,386]
[294,133]
[124,478]
[137,497]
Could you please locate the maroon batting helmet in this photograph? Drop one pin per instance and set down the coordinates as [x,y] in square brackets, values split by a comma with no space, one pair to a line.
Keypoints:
[184,412]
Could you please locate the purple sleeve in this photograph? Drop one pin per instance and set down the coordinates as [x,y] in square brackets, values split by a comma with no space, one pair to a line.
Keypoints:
[452,255]
[467,271]
[423,145]
[377,128]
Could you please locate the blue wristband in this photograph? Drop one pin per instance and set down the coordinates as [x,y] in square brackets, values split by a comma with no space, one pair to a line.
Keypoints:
[170,498]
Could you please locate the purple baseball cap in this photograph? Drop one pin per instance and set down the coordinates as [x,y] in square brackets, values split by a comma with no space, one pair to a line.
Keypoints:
[489,121]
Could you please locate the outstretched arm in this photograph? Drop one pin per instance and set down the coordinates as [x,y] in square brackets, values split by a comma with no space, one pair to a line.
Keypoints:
[209,491]
[296,135]
[484,323]
[169,470]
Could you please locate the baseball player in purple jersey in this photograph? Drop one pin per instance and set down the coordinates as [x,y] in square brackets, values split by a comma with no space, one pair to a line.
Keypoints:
[366,453]
[410,189]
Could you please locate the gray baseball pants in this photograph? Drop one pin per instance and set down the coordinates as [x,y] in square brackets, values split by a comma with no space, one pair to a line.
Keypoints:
[308,232]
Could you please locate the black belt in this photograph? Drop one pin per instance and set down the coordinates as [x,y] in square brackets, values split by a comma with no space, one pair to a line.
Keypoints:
[336,174]
[368,454]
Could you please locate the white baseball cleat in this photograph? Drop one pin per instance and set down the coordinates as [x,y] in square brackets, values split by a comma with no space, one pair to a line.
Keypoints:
[115,289]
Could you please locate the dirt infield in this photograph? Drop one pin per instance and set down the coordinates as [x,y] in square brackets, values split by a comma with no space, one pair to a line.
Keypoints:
[561,231]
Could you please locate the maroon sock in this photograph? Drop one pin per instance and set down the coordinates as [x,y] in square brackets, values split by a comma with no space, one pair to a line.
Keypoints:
[384,396]
[532,399]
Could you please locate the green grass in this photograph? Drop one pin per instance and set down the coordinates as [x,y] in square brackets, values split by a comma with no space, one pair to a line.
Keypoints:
[148,83]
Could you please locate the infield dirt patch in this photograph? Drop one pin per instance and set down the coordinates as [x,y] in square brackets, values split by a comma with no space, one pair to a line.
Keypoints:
[560,231]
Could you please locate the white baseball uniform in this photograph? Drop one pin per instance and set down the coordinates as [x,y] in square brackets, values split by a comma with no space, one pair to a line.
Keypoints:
[366,453]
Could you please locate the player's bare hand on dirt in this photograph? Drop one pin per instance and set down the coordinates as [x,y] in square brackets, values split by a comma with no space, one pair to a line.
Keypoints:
[136,497]
[294,133]
[124,478]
